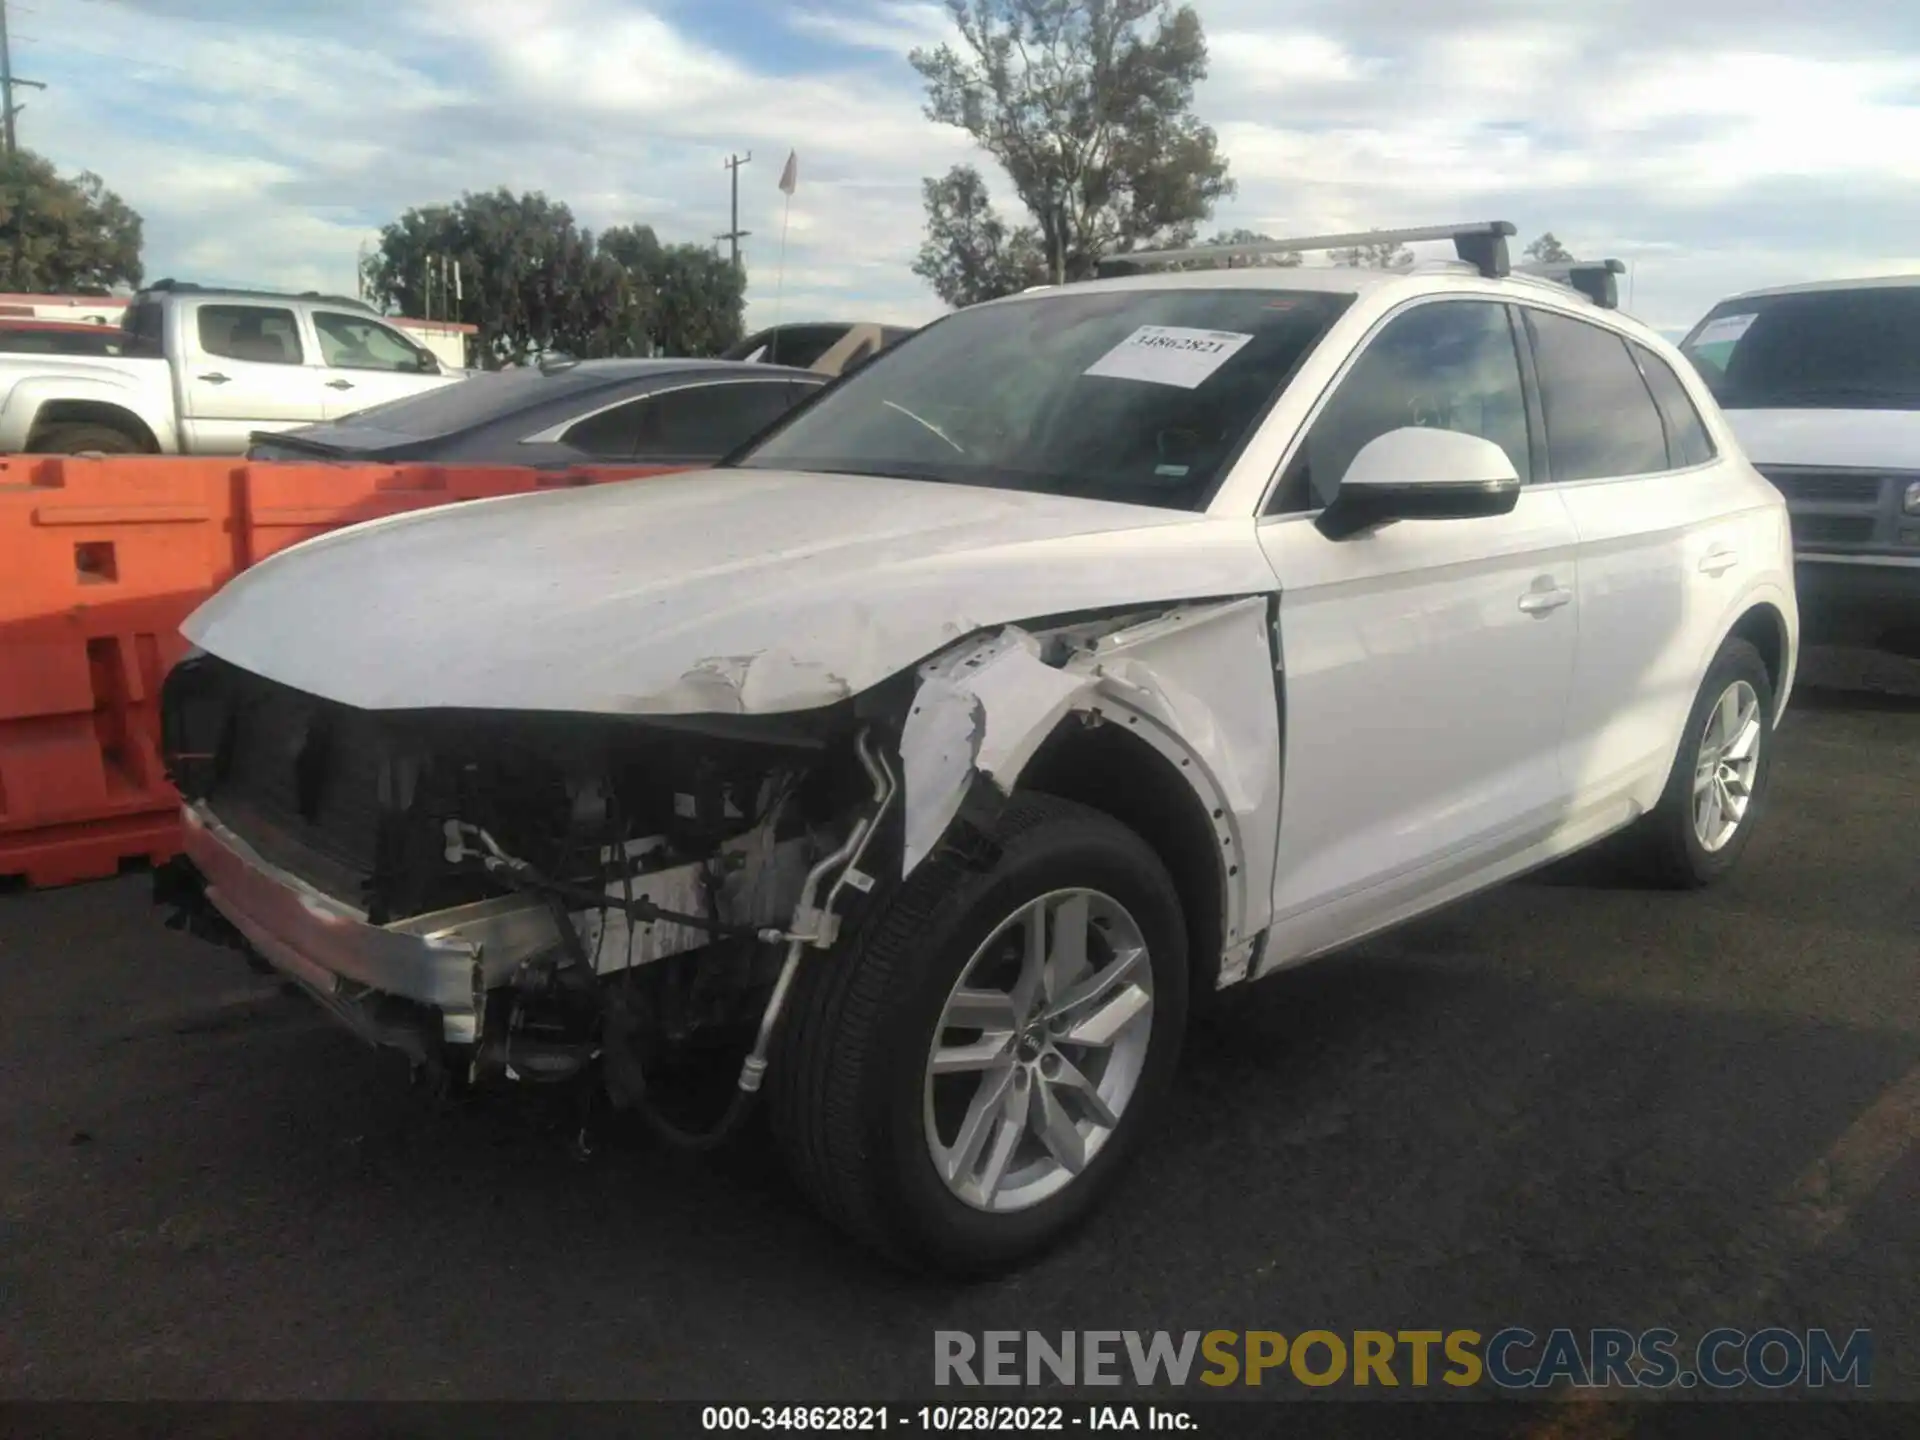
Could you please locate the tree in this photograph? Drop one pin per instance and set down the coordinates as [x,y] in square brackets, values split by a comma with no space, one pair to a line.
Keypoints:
[1283,258]
[700,301]
[63,235]
[533,281]
[1380,255]
[1087,106]
[1548,250]
[969,254]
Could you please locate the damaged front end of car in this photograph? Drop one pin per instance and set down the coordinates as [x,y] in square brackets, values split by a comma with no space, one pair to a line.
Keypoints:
[531,898]
[598,899]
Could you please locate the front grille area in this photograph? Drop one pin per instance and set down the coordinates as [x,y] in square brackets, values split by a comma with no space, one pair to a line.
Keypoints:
[1832,529]
[1844,509]
[1828,487]
[307,768]
[354,802]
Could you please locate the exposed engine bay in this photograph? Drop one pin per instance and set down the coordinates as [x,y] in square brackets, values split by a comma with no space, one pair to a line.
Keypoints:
[661,878]
[561,897]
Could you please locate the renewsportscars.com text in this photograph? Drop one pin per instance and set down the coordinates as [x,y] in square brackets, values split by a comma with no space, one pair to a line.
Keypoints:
[1513,1358]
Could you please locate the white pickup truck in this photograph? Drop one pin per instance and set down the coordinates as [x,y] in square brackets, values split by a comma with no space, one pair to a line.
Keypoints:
[205,368]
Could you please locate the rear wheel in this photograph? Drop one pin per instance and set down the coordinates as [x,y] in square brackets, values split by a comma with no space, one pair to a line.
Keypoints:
[1705,818]
[86,439]
[963,1084]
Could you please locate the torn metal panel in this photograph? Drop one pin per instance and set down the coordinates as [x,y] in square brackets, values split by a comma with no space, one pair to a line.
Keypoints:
[769,682]
[984,708]
[1196,682]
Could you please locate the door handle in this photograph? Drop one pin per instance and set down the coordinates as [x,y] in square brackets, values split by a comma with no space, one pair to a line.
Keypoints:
[1718,562]
[216,378]
[339,384]
[1544,599]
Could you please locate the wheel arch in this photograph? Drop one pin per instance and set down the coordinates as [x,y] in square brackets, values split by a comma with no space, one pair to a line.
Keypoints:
[1764,626]
[1109,766]
[92,412]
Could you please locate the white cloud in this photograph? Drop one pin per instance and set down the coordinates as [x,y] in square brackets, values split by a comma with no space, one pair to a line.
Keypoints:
[1718,145]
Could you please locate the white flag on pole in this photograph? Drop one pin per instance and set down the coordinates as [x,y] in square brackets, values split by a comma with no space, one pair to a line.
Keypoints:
[790,176]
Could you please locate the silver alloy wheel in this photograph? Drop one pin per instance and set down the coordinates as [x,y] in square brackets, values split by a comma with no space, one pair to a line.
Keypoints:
[1039,1050]
[1729,759]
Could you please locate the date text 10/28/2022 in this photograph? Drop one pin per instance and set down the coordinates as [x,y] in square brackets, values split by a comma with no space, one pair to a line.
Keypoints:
[944,1419]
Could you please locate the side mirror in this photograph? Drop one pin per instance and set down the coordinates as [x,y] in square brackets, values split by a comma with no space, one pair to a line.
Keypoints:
[1416,473]
[429,364]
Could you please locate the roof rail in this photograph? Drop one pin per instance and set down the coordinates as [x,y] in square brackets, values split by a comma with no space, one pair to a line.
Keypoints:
[1594,279]
[1481,243]
[189,287]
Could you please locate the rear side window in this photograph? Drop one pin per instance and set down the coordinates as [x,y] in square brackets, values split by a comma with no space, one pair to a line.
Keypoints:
[613,434]
[710,420]
[1601,419]
[260,334]
[144,324]
[1450,365]
[1687,440]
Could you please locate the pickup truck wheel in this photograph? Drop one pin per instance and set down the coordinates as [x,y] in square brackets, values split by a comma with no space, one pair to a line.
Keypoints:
[962,1082]
[1705,818]
[83,439]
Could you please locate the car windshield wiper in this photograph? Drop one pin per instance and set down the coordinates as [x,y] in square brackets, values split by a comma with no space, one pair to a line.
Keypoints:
[922,420]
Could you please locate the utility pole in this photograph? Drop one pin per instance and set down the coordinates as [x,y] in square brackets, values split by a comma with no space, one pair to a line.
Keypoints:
[734,236]
[8,80]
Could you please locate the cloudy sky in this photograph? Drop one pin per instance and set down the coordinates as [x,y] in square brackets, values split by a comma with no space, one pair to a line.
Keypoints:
[1716,146]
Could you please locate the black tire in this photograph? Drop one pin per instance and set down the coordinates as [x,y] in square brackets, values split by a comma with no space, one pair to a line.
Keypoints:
[847,1089]
[81,438]
[1668,846]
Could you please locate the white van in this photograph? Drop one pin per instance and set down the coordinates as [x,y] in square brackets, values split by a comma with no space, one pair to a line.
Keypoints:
[1821,384]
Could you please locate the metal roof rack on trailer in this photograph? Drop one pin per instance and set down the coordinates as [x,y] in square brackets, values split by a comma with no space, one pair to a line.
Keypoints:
[1481,243]
[1595,279]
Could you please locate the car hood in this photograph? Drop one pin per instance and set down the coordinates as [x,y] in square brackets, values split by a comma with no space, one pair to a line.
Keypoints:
[1843,439]
[731,592]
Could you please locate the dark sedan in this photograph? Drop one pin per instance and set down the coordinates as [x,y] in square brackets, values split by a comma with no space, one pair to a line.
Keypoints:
[666,413]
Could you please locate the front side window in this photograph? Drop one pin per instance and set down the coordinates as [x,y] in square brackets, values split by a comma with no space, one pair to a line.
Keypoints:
[1450,365]
[1819,349]
[1133,395]
[354,342]
[1601,419]
[260,334]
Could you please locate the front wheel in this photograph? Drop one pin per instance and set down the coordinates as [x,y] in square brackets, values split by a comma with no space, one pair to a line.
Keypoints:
[85,439]
[963,1084]
[1706,816]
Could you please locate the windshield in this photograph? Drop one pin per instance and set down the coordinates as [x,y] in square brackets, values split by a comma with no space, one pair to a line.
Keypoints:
[1142,396]
[1820,349]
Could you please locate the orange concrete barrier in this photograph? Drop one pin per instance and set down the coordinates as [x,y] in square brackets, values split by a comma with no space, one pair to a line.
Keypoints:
[100,562]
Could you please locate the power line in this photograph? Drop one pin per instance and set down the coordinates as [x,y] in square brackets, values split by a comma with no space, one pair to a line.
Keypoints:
[8,80]
[736,234]
[62,47]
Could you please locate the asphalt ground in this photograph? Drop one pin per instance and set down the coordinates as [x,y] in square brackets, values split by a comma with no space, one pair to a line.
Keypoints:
[1563,1103]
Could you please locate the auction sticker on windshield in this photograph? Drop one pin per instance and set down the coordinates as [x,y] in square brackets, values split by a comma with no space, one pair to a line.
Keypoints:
[1169,355]
[1724,329]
